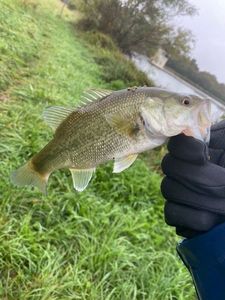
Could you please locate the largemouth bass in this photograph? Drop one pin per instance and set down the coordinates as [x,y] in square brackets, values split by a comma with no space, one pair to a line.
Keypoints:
[112,126]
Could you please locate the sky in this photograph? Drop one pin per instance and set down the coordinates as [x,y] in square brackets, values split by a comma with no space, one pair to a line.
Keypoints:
[208,28]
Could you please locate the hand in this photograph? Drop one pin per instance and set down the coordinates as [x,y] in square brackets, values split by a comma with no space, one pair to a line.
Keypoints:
[194,186]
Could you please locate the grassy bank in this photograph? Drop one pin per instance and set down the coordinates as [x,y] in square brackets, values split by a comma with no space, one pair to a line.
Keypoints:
[109,242]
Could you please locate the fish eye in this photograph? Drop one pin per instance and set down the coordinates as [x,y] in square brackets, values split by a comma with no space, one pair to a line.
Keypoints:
[186,101]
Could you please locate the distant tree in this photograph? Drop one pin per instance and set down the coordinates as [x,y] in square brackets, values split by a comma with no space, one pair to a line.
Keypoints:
[187,67]
[137,25]
[179,42]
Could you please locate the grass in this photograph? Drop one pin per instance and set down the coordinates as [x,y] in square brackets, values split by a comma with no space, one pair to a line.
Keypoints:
[117,71]
[107,243]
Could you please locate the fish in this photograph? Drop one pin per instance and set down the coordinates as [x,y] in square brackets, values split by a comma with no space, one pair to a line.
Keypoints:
[112,125]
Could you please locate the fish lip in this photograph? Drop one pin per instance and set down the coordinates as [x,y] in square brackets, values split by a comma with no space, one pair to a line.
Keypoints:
[217,112]
[205,110]
[204,119]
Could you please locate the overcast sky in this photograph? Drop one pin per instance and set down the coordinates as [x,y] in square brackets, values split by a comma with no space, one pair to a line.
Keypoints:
[208,28]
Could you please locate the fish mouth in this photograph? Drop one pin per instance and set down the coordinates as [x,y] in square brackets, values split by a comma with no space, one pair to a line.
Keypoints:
[202,122]
[209,113]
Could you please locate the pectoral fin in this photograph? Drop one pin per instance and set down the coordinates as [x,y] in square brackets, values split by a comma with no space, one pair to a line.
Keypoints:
[81,178]
[123,163]
[123,124]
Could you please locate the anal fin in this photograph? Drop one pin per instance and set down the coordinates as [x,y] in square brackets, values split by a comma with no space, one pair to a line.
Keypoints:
[123,163]
[81,178]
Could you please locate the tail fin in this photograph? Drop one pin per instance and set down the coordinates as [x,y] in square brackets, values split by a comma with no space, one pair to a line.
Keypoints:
[26,175]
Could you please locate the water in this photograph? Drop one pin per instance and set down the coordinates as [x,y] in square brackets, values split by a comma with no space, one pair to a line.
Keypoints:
[164,78]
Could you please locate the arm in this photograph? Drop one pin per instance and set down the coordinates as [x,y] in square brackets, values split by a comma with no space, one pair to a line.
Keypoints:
[194,188]
[204,257]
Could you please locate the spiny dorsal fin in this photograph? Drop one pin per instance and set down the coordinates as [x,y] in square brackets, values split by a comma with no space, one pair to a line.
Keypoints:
[54,115]
[93,95]
[123,163]
[81,178]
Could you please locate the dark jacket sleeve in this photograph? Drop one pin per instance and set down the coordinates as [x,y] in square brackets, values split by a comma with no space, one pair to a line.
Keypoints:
[204,256]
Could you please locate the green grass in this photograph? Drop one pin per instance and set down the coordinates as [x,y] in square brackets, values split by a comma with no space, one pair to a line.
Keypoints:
[117,71]
[107,243]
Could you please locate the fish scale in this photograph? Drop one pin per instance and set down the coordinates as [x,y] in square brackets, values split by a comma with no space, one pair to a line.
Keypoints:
[93,140]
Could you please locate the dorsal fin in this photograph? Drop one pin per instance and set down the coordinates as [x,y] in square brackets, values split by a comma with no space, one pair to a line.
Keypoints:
[54,115]
[93,95]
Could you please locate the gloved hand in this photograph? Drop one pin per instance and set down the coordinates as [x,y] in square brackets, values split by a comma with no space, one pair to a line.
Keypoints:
[194,186]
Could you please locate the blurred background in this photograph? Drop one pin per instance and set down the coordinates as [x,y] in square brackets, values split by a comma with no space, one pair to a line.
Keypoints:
[109,242]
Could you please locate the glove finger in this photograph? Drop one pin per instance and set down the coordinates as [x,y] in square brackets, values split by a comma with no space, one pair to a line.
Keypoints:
[217,156]
[189,149]
[187,217]
[208,179]
[217,140]
[171,189]
[186,232]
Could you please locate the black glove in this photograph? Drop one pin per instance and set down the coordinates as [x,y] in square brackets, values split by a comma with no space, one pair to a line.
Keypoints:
[194,186]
